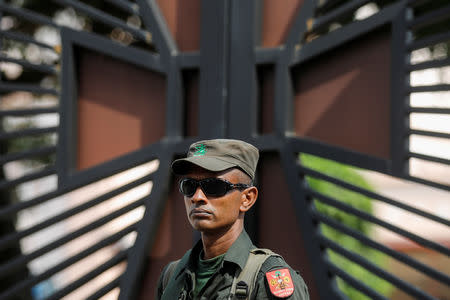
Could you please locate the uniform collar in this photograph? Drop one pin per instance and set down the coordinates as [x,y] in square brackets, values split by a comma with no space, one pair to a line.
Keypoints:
[237,253]
[239,250]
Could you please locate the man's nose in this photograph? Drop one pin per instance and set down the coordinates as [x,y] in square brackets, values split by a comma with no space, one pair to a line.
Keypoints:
[198,196]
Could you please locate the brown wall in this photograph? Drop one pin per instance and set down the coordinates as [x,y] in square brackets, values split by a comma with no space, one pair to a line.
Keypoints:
[183,20]
[277,19]
[278,227]
[174,238]
[343,96]
[121,108]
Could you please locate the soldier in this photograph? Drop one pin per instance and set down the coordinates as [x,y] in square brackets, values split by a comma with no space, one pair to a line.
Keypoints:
[218,190]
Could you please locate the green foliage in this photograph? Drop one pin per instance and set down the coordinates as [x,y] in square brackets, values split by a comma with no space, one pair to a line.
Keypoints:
[357,201]
[30,143]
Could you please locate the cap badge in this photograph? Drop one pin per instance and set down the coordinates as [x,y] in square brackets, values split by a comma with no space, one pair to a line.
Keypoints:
[280,283]
[200,150]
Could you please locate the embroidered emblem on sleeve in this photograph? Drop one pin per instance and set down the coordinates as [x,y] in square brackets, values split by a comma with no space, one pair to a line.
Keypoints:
[280,283]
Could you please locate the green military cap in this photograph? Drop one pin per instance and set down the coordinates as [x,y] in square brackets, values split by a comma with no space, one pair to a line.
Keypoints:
[218,155]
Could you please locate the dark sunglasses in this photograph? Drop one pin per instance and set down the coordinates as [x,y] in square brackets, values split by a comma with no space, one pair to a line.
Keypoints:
[212,187]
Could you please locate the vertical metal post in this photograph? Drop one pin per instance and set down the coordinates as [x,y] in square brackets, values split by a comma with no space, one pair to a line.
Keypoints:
[399,82]
[147,228]
[242,74]
[67,135]
[214,39]
[257,22]
[168,51]
[283,108]
[175,103]
[1,42]
[325,286]
[161,37]
[283,105]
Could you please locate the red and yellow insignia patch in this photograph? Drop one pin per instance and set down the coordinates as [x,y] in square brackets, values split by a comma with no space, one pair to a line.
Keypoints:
[280,283]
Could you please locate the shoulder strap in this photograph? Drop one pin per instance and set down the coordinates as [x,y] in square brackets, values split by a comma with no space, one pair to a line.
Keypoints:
[244,284]
[168,274]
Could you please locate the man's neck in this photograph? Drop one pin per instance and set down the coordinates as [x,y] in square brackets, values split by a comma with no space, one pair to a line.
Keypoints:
[219,243]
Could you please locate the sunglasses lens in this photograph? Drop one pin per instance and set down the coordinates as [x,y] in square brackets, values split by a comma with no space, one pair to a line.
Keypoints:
[214,187]
[211,187]
[188,187]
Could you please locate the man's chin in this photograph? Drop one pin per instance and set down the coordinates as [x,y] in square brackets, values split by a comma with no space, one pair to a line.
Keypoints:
[201,225]
[209,228]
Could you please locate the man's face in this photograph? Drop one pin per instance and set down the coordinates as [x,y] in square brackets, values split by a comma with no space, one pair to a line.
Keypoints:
[213,214]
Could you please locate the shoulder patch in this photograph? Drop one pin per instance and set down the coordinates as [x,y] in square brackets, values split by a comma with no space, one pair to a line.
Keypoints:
[280,283]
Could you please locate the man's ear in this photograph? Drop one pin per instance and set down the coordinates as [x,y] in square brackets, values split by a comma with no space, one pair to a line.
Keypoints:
[248,198]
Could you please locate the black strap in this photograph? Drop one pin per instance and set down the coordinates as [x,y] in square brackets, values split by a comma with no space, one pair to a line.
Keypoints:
[168,274]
